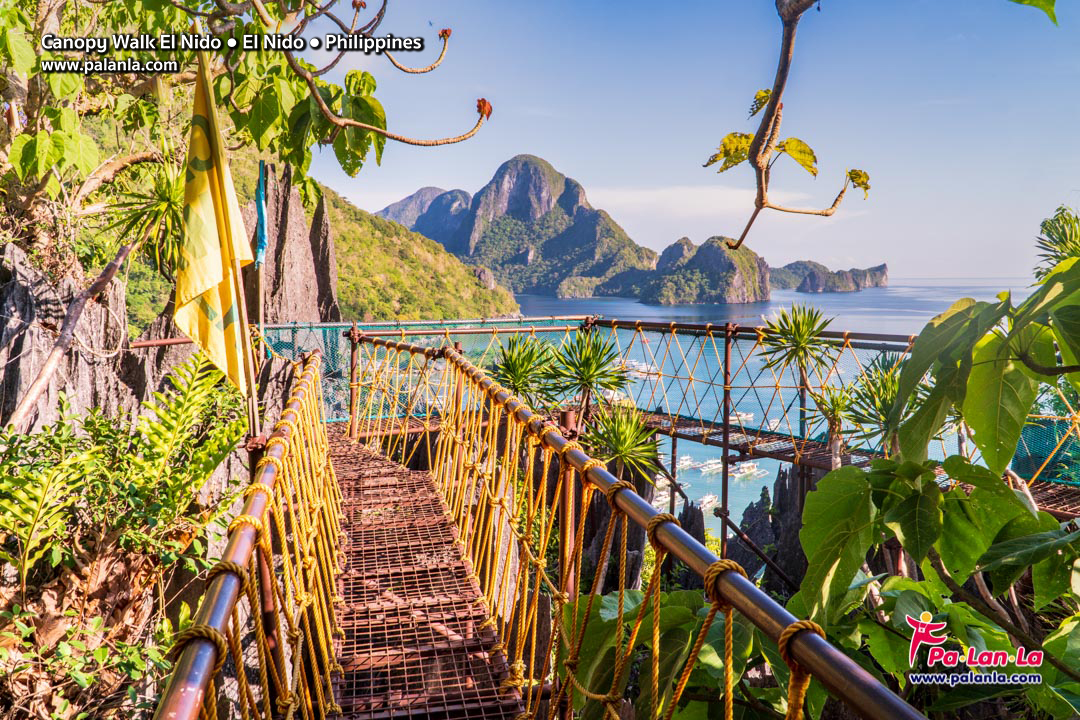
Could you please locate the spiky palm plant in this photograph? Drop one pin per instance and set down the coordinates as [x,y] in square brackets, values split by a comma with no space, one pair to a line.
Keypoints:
[585,364]
[155,214]
[619,433]
[873,396]
[794,340]
[833,405]
[523,366]
[1059,240]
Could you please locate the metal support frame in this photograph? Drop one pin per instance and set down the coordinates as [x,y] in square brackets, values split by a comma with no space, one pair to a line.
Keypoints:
[841,675]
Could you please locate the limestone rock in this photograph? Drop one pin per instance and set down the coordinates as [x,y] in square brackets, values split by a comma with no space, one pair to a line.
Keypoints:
[407,210]
[326,269]
[758,526]
[485,277]
[443,217]
[692,520]
[32,310]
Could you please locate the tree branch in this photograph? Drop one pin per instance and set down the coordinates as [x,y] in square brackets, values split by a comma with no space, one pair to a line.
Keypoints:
[983,609]
[108,171]
[1050,371]
[445,35]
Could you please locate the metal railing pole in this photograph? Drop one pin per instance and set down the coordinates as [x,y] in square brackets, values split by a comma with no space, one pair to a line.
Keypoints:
[729,331]
[354,388]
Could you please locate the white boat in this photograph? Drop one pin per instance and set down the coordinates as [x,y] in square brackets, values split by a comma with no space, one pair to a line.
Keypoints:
[748,467]
[661,500]
[712,467]
[773,424]
[708,502]
[685,462]
[742,417]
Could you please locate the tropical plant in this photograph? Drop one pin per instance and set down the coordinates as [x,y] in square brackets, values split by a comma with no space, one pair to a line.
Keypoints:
[154,210]
[1059,239]
[872,397]
[619,434]
[586,364]
[833,405]
[523,366]
[94,512]
[793,340]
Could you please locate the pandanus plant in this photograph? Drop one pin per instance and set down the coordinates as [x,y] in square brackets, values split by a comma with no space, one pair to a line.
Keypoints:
[834,405]
[522,367]
[586,364]
[618,434]
[794,340]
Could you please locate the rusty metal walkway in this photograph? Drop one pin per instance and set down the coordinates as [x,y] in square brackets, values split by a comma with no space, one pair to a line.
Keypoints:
[416,639]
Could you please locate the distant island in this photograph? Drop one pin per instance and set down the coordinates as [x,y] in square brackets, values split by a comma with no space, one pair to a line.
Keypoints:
[534,230]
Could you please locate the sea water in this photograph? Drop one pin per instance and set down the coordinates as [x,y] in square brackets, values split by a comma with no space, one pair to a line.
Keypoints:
[902,308]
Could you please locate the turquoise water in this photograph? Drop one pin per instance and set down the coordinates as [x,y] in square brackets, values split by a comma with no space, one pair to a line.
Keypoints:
[903,308]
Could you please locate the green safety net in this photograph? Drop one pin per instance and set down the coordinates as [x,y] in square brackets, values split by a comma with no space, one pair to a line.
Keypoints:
[293,339]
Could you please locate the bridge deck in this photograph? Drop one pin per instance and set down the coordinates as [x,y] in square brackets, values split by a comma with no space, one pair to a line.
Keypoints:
[416,644]
[1060,500]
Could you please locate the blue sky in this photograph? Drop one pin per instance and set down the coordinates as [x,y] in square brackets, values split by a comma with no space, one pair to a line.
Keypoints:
[965,113]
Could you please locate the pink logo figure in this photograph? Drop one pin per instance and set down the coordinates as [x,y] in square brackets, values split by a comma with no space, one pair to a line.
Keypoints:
[924,634]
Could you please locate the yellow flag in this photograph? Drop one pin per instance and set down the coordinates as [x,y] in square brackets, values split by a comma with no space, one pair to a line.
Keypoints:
[208,290]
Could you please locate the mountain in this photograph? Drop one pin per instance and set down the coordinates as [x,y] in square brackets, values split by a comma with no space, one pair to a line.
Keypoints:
[387,272]
[405,211]
[709,273]
[535,229]
[811,277]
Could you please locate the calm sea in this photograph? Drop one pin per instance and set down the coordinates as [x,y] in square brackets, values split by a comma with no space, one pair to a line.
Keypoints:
[902,308]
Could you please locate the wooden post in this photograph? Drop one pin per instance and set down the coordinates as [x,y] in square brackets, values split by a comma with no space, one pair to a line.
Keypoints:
[567,519]
[729,331]
[354,388]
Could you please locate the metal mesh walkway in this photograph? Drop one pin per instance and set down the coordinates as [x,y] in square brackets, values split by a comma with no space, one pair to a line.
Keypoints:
[416,638]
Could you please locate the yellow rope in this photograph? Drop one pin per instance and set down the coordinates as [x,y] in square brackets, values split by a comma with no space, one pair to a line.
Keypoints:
[800,678]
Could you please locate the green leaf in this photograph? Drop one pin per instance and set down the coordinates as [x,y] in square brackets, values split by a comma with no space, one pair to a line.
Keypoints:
[1052,578]
[801,153]
[1047,6]
[734,149]
[359,83]
[836,534]
[963,539]
[761,99]
[81,153]
[1027,550]
[1066,327]
[917,521]
[19,51]
[263,116]
[999,396]
[861,180]
[888,648]
[64,86]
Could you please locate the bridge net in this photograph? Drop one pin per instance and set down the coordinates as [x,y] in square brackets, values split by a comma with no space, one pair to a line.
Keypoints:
[275,655]
[502,473]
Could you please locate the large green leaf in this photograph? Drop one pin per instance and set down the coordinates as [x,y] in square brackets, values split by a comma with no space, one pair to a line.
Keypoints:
[19,51]
[999,396]
[1047,6]
[917,521]
[963,539]
[1027,550]
[801,153]
[1065,322]
[734,149]
[837,521]
[888,648]
[1053,577]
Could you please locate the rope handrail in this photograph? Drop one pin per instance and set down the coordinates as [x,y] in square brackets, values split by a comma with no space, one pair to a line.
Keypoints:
[808,651]
[291,501]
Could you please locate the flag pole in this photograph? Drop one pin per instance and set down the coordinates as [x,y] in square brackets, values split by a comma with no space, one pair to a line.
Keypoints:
[254,425]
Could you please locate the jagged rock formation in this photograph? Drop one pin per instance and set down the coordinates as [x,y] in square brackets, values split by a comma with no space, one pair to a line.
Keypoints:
[407,210]
[812,277]
[711,273]
[441,221]
[299,274]
[32,310]
[535,229]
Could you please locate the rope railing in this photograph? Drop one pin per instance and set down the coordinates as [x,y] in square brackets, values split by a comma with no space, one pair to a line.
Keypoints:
[262,640]
[508,478]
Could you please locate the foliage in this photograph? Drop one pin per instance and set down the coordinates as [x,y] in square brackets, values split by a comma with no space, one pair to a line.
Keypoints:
[102,510]
[522,367]
[586,363]
[619,434]
[1059,239]
[872,397]
[833,404]
[153,212]
[794,339]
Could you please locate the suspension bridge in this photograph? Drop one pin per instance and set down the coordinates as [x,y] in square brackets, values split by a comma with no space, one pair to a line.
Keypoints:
[411,543]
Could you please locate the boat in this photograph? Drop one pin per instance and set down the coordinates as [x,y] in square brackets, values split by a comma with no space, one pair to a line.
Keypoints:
[685,462]
[661,500]
[711,467]
[708,502]
[749,467]
[773,424]
[742,417]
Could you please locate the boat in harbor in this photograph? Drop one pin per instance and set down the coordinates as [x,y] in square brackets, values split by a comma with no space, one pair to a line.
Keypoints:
[685,462]
[711,467]
[708,502]
[742,417]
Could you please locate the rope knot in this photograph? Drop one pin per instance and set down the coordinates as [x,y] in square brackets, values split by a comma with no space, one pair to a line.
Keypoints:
[200,632]
[614,489]
[251,520]
[712,580]
[785,638]
[590,464]
[654,524]
[231,567]
[572,445]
